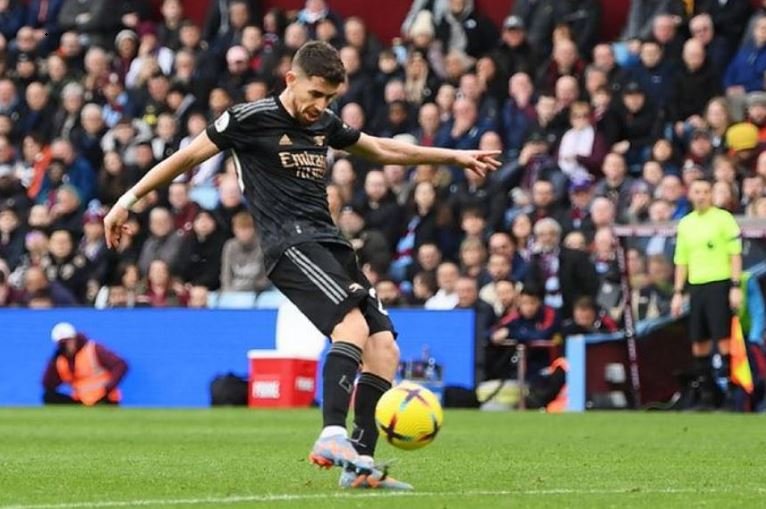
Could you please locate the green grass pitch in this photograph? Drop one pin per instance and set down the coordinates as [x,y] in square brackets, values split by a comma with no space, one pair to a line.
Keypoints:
[75,458]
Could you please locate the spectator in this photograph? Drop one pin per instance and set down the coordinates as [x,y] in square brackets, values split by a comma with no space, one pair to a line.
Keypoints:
[242,266]
[665,31]
[36,283]
[565,61]
[423,288]
[468,298]
[164,242]
[473,256]
[671,189]
[717,48]
[517,115]
[93,248]
[515,54]
[562,273]
[604,60]
[447,275]
[182,208]
[501,243]
[388,293]
[229,203]
[161,289]
[499,269]
[533,320]
[370,245]
[462,28]
[478,192]
[421,227]
[642,14]
[11,238]
[586,319]
[198,297]
[93,371]
[653,73]
[582,149]
[64,265]
[616,185]
[718,119]
[730,19]
[580,197]
[695,85]
[203,251]
[745,72]
[379,207]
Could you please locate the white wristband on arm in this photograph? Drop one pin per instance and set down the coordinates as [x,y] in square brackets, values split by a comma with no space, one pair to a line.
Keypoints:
[127,200]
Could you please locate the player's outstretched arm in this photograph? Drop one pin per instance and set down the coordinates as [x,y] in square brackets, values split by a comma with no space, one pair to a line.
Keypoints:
[196,152]
[388,151]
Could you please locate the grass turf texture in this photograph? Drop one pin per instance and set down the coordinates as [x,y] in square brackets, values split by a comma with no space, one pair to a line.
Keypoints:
[71,458]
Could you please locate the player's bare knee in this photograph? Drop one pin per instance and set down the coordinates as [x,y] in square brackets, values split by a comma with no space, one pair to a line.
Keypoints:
[353,328]
[382,350]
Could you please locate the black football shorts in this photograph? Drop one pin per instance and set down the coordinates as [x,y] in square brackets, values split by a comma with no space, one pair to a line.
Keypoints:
[325,282]
[709,311]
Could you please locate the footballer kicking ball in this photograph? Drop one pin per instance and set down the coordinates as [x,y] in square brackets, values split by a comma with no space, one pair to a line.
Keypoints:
[409,416]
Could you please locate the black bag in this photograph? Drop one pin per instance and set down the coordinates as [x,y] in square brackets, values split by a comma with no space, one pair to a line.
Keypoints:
[228,389]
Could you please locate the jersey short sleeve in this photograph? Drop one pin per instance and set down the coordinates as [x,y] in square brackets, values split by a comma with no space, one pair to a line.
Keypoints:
[733,235]
[226,131]
[681,255]
[339,134]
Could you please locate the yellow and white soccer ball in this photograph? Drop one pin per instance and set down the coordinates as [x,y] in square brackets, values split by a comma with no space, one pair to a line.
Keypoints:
[409,416]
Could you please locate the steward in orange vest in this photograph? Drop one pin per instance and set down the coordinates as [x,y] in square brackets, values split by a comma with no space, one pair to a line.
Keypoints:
[92,371]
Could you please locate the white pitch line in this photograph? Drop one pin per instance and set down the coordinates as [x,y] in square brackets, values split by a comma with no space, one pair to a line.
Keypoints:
[376,494]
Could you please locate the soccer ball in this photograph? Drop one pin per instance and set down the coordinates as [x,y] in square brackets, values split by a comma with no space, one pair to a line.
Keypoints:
[409,416]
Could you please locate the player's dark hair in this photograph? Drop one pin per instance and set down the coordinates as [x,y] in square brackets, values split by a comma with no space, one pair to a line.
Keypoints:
[317,58]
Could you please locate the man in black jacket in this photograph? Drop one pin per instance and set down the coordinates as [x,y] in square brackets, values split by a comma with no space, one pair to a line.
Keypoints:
[565,274]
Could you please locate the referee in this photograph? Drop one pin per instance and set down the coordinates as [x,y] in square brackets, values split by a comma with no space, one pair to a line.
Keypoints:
[708,255]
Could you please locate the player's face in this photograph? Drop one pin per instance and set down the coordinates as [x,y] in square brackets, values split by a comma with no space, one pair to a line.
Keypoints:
[311,95]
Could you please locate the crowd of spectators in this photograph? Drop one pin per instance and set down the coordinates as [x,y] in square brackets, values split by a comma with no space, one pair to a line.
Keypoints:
[94,92]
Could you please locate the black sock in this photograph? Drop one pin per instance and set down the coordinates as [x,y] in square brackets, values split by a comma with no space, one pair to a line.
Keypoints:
[702,366]
[340,368]
[369,389]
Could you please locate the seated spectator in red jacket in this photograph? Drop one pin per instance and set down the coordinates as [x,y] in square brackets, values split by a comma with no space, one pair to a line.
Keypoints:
[92,371]
[532,321]
[587,319]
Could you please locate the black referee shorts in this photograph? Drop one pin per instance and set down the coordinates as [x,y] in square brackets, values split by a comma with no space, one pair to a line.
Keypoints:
[325,282]
[709,314]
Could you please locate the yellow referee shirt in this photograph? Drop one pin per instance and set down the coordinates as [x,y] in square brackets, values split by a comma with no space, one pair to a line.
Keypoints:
[705,244]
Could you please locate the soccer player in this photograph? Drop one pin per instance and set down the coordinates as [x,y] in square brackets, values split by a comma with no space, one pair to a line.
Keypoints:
[279,145]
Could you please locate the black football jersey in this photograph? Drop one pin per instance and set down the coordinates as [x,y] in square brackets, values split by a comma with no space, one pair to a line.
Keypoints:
[281,168]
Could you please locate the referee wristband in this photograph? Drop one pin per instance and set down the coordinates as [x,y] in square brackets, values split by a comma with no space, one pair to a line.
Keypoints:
[127,200]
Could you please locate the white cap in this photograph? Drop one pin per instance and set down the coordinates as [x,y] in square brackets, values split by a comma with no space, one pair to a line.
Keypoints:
[63,330]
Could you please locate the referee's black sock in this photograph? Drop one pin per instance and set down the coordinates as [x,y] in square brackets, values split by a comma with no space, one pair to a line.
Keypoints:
[338,375]
[703,367]
[369,389]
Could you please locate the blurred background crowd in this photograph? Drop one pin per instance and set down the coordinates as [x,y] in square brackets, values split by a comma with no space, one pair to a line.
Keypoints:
[93,93]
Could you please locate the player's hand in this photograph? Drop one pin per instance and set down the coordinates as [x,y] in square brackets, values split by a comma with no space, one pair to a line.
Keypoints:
[478,161]
[735,298]
[676,305]
[114,225]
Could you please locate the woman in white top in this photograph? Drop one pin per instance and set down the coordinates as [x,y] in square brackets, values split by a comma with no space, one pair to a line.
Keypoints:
[582,148]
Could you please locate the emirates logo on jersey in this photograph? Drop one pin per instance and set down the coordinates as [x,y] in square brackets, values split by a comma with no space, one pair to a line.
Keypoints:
[305,164]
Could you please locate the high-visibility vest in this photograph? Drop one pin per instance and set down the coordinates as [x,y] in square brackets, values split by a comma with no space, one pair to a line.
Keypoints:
[90,379]
[559,403]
